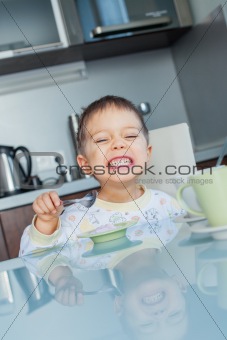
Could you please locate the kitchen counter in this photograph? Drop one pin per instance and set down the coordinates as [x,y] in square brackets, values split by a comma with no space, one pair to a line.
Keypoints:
[28,197]
[208,153]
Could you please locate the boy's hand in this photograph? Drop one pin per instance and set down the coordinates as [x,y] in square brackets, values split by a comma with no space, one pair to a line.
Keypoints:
[68,291]
[47,207]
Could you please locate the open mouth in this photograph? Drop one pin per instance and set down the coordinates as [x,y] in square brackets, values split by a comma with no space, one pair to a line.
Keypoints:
[154,298]
[120,161]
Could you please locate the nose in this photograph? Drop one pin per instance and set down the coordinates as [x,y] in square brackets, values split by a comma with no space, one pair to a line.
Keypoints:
[159,314]
[118,143]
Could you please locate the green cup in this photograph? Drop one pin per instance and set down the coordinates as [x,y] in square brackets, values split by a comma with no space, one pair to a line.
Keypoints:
[219,270]
[210,186]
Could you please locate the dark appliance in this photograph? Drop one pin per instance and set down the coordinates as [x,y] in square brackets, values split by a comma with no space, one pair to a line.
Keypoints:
[12,173]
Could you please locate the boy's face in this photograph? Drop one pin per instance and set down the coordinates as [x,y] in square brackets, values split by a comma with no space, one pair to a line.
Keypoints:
[115,146]
[155,309]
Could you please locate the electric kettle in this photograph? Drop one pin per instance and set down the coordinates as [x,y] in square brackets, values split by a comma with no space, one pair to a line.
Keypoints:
[12,173]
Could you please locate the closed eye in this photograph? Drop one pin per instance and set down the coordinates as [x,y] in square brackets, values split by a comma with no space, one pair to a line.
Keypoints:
[101,140]
[176,317]
[131,136]
[148,327]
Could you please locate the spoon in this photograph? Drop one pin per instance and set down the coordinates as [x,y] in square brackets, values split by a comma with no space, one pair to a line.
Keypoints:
[104,289]
[222,154]
[87,201]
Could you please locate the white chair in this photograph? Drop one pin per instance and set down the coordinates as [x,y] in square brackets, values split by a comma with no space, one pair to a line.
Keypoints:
[172,158]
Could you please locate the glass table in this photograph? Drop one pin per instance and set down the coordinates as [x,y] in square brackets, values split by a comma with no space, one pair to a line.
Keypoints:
[168,285]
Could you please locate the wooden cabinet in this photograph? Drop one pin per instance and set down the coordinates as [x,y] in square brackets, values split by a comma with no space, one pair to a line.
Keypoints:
[4,255]
[210,163]
[12,224]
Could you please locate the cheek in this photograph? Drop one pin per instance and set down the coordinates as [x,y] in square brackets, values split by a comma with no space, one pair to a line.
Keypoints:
[98,159]
[177,300]
[142,145]
[142,153]
[134,313]
[132,302]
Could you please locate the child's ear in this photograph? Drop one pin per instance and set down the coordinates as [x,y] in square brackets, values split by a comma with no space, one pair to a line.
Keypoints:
[83,164]
[118,305]
[149,151]
[182,285]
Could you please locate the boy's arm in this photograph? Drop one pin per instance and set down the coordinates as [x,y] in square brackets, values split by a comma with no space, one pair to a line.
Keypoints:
[33,241]
[48,208]
[44,232]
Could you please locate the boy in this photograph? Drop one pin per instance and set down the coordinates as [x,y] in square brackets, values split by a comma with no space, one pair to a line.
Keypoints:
[113,146]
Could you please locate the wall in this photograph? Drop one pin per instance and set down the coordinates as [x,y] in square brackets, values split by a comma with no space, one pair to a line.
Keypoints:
[38,118]
[200,58]
[201,8]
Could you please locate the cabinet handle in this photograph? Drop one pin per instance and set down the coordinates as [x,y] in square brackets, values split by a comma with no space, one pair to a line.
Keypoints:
[102,31]
[38,47]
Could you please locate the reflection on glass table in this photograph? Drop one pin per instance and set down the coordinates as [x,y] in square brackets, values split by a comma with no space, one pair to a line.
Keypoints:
[150,291]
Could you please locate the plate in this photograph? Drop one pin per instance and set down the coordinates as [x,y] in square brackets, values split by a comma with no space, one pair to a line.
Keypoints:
[218,233]
[214,255]
[182,219]
[111,246]
[196,240]
[105,236]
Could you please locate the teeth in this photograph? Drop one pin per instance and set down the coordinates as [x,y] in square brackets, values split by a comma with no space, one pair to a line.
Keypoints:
[152,299]
[119,162]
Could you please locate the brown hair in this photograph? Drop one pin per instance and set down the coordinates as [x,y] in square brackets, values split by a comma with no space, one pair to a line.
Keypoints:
[100,105]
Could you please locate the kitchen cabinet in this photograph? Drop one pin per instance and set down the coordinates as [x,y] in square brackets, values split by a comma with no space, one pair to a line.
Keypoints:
[210,163]
[49,33]
[34,30]
[3,251]
[12,224]
[28,25]
[91,51]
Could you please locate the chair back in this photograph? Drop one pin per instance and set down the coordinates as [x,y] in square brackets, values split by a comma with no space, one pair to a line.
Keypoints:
[172,159]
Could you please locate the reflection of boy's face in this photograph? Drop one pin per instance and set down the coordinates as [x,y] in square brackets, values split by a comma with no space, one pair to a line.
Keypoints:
[115,144]
[155,309]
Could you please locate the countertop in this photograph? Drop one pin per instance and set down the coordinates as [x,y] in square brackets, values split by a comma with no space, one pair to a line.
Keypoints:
[28,197]
[208,153]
